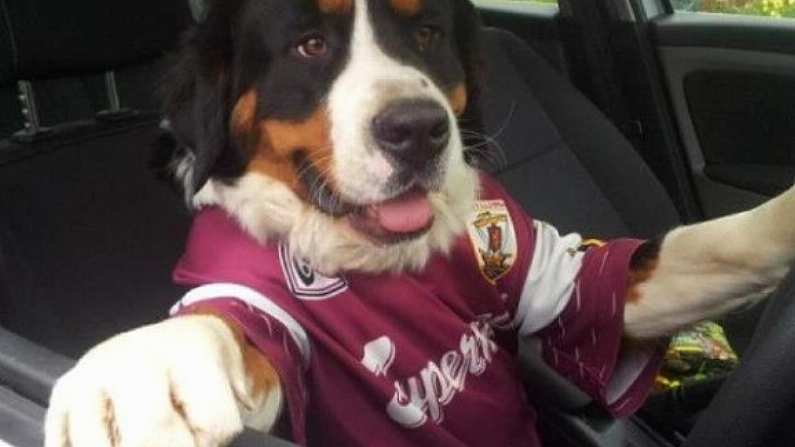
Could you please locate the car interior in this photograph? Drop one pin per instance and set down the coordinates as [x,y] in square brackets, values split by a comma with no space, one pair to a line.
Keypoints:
[609,118]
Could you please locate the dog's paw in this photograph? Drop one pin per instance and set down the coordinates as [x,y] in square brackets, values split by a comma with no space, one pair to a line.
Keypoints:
[182,382]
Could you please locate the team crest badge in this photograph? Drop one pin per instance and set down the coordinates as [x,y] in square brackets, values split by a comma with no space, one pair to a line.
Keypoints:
[305,283]
[493,239]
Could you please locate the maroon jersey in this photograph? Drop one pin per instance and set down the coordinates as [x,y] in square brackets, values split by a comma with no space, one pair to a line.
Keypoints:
[426,358]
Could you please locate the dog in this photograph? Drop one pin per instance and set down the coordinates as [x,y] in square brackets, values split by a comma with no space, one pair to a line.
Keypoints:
[355,280]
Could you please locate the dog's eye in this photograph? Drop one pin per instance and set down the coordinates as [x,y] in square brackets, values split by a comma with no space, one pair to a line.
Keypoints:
[312,46]
[426,36]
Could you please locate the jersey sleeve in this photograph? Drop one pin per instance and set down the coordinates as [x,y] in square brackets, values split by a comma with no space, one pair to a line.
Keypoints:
[585,342]
[541,278]
[541,281]
[548,281]
[570,294]
[272,330]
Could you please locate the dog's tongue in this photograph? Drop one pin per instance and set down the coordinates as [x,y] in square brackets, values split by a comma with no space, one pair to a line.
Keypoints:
[407,213]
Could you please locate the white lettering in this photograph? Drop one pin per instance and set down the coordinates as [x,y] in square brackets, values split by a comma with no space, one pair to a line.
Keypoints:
[435,386]
[404,410]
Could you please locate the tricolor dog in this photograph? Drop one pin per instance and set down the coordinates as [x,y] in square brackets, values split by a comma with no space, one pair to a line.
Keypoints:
[353,279]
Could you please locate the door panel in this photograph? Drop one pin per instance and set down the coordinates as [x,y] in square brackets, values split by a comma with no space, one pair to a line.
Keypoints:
[10,114]
[730,126]
[731,82]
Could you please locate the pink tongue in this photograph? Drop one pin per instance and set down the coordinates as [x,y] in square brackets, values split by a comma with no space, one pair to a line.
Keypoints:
[408,213]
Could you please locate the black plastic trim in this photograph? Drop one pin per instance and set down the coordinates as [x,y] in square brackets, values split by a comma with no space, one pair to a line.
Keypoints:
[68,134]
[20,420]
[28,368]
[251,438]
[768,180]
[725,31]
[21,425]
[545,384]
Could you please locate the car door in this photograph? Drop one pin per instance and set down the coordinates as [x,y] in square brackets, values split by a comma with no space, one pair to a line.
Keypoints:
[727,85]
[729,68]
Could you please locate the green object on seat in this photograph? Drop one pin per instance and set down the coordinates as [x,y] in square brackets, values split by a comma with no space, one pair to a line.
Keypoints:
[698,354]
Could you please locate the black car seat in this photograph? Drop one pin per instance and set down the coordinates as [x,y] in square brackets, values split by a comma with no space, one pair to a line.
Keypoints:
[565,162]
[87,235]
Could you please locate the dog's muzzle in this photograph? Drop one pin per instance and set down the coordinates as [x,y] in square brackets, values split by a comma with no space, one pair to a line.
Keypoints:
[412,132]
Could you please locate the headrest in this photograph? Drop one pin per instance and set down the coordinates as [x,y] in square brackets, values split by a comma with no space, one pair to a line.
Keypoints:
[199,9]
[54,38]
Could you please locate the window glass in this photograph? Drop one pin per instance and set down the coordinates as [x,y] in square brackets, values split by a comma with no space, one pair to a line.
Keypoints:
[543,2]
[768,8]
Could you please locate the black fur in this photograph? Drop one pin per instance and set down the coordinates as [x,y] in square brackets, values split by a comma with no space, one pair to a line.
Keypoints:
[245,44]
[470,47]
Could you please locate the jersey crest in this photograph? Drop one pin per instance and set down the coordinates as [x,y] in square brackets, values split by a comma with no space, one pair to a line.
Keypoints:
[304,282]
[493,238]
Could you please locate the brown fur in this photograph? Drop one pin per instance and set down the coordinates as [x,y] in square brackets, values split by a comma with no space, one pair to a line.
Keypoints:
[244,114]
[335,6]
[458,99]
[263,377]
[109,419]
[406,8]
[274,143]
[258,369]
[179,408]
[642,267]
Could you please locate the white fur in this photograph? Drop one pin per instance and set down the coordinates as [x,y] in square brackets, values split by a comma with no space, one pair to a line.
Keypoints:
[183,169]
[268,210]
[370,80]
[256,300]
[712,267]
[134,375]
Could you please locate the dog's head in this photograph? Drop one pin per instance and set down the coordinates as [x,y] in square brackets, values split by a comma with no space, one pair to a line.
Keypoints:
[343,113]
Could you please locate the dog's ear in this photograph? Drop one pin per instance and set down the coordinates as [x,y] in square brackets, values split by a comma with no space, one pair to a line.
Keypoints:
[468,36]
[198,95]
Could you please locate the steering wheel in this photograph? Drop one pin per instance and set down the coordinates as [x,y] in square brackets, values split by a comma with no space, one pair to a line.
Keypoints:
[756,404]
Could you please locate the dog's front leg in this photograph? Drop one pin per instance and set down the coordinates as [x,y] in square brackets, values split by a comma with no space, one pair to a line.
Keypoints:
[189,381]
[703,270]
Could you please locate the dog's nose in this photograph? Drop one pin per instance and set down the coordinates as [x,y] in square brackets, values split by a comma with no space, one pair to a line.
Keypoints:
[413,131]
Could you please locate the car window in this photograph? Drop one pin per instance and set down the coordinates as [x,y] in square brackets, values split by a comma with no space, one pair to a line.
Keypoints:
[767,8]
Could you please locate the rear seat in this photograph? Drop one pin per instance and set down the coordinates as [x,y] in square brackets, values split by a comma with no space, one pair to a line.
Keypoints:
[87,235]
